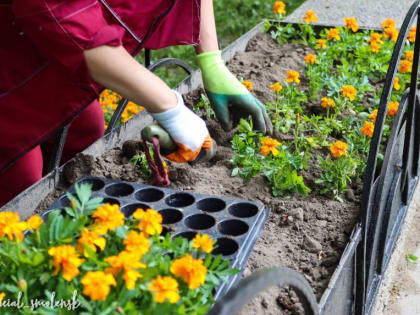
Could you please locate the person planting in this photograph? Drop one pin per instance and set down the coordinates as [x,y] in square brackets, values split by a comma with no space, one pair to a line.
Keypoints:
[60,55]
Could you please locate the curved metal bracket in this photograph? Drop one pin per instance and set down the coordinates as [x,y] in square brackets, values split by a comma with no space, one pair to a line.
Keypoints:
[168,62]
[247,288]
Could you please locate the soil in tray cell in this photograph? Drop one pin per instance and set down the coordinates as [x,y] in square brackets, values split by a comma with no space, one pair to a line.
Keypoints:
[305,233]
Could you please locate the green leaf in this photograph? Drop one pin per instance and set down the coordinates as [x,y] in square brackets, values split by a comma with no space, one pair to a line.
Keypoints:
[412,258]
[235,171]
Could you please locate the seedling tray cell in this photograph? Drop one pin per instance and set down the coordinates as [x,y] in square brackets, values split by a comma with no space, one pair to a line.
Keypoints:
[235,224]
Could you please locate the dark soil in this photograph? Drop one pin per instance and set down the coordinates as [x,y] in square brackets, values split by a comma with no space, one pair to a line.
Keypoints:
[305,233]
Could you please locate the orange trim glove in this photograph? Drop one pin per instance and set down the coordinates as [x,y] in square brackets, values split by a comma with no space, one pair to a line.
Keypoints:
[188,131]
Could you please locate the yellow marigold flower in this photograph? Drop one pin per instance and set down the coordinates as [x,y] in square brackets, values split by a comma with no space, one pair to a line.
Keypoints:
[405,66]
[150,221]
[338,149]
[409,55]
[367,128]
[92,240]
[396,84]
[279,7]
[2,296]
[97,284]
[247,84]
[375,37]
[269,145]
[137,242]
[11,226]
[310,17]
[388,23]
[375,46]
[65,257]
[33,222]
[349,91]
[204,242]
[322,43]
[351,23]
[165,288]
[108,217]
[412,34]
[311,58]
[191,270]
[127,262]
[333,33]
[124,261]
[373,115]
[327,102]
[292,76]
[276,87]
[392,108]
[392,33]
[130,277]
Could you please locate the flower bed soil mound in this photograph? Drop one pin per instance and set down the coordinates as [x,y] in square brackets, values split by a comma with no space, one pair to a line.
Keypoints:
[306,233]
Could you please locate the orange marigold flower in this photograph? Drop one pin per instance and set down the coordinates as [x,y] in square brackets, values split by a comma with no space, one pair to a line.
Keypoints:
[97,284]
[392,33]
[269,145]
[375,42]
[333,33]
[351,23]
[279,7]
[409,55]
[292,76]
[128,262]
[107,217]
[388,23]
[405,66]
[392,108]
[349,91]
[373,115]
[204,242]
[165,288]
[310,17]
[327,102]
[367,128]
[33,222]
[338,149]
[11,226]
[247,84]
[412,34]
[276,87]
[90,239]
[191,270]
[311,58]
[322,43]
[137,242]
[65,257]
[396,84]
[150,221]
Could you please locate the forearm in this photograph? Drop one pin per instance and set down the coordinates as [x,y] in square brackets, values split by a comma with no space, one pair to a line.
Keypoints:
[208,34]
[116,69]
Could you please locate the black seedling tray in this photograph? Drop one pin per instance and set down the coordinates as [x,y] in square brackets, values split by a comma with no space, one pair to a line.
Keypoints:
[234,223]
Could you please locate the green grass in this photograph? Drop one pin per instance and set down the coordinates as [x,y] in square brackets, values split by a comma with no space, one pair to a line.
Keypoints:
[233,18]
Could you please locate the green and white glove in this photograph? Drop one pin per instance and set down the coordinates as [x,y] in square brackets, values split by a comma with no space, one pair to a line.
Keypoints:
[228,97]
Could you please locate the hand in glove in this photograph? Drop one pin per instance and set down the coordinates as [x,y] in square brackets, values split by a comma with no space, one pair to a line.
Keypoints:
[187,130]
[228,97]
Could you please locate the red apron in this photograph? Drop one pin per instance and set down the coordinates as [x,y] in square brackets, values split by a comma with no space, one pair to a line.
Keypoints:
[44,80]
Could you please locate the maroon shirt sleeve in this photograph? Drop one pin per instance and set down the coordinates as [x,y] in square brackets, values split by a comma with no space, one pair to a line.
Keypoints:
[62,32]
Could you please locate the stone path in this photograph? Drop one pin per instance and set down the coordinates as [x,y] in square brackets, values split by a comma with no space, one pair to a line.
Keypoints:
[400,292]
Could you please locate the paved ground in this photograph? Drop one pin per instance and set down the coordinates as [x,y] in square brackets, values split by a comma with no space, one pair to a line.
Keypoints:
[400,293]
[369,13]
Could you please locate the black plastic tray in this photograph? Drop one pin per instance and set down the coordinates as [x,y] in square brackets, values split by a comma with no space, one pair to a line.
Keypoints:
[234,223]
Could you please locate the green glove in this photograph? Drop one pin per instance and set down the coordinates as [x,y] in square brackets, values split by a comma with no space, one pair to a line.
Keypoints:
[228,97]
